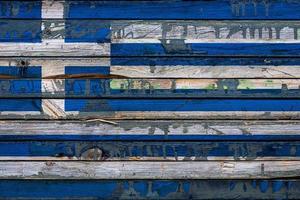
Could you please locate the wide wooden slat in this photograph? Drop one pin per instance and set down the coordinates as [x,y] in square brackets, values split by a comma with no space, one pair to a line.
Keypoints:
[149,108]
[150,189]
[154,67]
[153,31]
[77,86]
[114,130]
[150,170]
[216,9]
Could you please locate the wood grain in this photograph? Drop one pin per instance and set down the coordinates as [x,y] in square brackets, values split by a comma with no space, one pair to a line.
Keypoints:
[150,170]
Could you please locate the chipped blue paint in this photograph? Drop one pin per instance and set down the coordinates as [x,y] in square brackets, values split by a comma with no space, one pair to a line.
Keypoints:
[125,149]
[113,105]
[205,49]
[147,189]
[213,9]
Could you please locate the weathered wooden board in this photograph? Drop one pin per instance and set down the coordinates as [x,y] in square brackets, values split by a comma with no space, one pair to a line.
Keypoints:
[149,108]
[96,87]
[97,130]
[216,9]
[149,170]
[150,189]
[152,67]
[149,150]
[157,31]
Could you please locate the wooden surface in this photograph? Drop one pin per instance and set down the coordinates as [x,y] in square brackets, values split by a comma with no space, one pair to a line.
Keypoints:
[149,99]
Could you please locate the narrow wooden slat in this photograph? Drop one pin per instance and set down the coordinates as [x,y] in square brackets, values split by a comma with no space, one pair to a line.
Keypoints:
[54,49]
[216,9]
[150,170]
[155,189]
[142,150]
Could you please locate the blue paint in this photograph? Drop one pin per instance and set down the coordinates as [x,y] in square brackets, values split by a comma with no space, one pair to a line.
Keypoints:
[105,70]
[15,31]
[20,105]
[263,186]
[113,189]
[164,188]
[87,31]
[206,49]
[203,61]
[277,186]
[22,71]
[123,149]
[213,9]
[20,9]
[94,105]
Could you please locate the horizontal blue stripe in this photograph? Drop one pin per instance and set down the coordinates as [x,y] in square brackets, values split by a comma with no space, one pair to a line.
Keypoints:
[87,31]
[209,49]
[21,71]
[20,9]
[20,31]
[190,61]
[20,105]
[105,70]
[162,189]
[101,105]
[136,137]
[213,9]
[126,149]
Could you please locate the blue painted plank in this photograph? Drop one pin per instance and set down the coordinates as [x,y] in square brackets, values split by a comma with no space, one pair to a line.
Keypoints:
[20,9]
[118,150]
[150,189]
[205,49]
[203,61]
[112,105]
[20,31]
[213,9]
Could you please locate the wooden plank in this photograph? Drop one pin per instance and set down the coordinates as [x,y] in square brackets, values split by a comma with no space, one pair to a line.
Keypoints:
[153,31]
[150,108]
[54,49]
[180,48]
[162,189]
[216,9]
[152,129]
[80,87]
[149,170]
[148,150]
[156,67]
